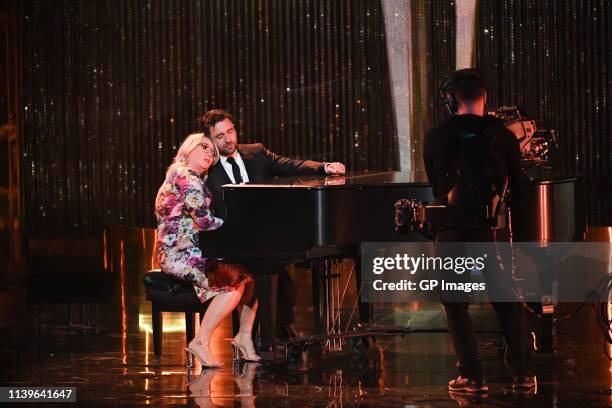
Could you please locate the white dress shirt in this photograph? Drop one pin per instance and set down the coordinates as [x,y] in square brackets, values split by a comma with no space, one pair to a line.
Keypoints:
[228,168]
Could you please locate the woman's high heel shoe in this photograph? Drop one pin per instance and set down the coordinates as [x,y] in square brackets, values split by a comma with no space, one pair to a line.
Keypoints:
[205,364]
[242,351]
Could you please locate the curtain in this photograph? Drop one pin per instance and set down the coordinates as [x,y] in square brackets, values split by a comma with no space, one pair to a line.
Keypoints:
[111,88]
[553,59]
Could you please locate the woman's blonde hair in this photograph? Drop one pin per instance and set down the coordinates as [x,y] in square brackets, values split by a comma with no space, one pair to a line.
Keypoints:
[191,142]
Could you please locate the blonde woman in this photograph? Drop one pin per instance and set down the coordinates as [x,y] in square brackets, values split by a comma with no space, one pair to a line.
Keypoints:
[182,208]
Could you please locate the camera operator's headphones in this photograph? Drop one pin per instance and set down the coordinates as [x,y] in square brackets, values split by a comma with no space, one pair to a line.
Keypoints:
[448,97]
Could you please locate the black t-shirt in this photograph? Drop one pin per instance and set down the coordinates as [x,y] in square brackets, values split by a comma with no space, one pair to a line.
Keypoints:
[443,147]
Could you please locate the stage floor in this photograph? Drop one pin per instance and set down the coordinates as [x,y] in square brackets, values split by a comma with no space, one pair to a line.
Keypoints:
[103,347]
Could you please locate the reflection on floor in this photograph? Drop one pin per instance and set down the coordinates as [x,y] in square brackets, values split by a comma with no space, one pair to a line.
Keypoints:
[104,349]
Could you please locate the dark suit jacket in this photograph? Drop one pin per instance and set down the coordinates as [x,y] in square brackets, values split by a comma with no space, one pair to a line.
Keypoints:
[261,164]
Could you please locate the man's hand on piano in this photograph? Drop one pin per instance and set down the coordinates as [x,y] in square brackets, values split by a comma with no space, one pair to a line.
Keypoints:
[334,168]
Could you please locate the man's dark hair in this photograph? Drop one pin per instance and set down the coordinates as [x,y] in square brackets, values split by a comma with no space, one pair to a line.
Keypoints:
[212,117]
[465,85]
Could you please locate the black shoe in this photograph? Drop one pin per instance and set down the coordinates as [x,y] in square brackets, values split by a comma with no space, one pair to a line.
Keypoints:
[285,332]
[526,383]
[471,385]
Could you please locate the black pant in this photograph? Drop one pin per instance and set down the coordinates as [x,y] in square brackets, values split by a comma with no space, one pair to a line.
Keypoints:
[287,290]
[287,293]
[511,316]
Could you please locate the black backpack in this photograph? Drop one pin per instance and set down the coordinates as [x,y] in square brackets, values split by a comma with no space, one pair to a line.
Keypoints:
[474,192]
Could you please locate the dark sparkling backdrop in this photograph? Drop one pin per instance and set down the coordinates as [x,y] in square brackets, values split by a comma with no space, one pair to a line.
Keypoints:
[111,88]
[553,59]
[441,26]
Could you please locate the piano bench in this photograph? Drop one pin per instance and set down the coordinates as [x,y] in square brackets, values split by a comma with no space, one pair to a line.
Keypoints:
[172,295]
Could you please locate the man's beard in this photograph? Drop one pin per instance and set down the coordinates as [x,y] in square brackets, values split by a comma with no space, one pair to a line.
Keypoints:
[229,150]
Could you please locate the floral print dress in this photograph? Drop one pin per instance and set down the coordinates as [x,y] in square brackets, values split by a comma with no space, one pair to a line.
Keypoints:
[182,210]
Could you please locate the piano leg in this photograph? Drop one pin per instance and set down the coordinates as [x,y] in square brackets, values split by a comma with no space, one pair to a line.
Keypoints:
[547,340]
[324,279]
[365,308]
[267,288]
[542,302]
[317,267]
[316,295]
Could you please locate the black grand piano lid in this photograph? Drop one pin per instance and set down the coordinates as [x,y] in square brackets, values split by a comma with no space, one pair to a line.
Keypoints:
[299,214]
[376,179]
[351,180]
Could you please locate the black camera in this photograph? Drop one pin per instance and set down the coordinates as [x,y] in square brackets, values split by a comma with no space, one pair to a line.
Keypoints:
[416,216]
[406,215]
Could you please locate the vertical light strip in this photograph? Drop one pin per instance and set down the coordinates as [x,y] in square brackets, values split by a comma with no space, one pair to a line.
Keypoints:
[123,304]
[466,33]
[399,50]
[609,346]
[543,211]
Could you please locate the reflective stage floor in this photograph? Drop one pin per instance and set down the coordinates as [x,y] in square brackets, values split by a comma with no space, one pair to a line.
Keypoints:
[97,338]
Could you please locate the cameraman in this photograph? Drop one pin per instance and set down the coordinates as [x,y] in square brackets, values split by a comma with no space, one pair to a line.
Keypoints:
[470,158]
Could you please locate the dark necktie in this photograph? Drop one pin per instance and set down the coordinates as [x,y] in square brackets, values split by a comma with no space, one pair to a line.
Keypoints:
[235,170]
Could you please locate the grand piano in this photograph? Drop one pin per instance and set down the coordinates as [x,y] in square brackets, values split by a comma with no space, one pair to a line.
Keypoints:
[555,211]
[312,219]
[316,218]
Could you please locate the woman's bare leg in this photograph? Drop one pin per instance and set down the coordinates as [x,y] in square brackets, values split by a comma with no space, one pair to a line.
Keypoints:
[248,309]
[218,309]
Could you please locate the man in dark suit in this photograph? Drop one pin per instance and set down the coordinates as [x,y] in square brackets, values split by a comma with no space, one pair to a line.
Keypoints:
[244,163]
